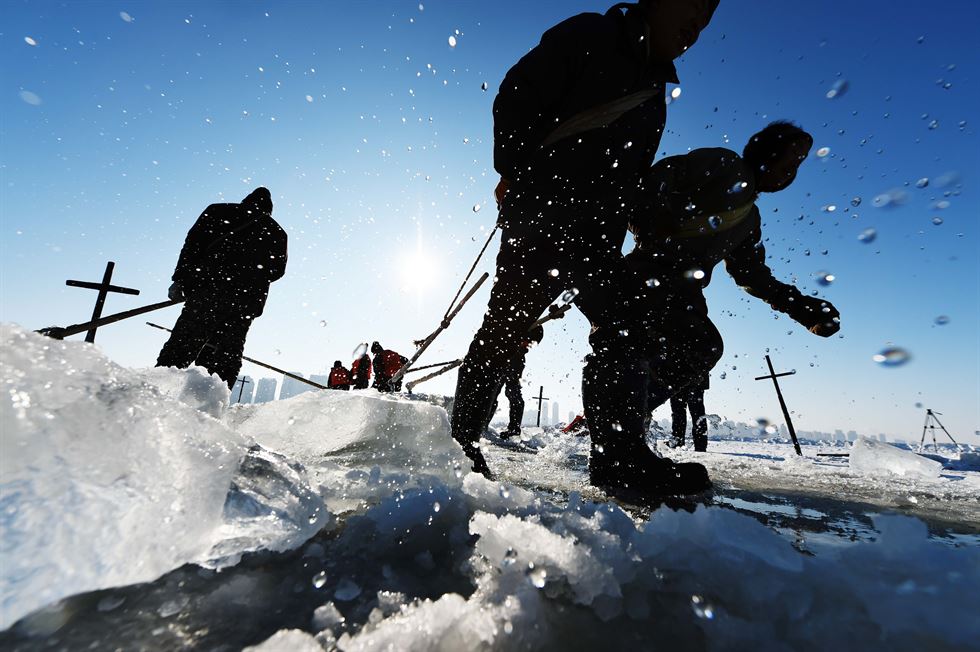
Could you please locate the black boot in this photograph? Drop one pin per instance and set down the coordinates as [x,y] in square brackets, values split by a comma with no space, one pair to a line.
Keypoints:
[472,408]
[615,392]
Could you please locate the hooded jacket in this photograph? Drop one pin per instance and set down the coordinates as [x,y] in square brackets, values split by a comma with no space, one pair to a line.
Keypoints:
[697,210]
[232,254]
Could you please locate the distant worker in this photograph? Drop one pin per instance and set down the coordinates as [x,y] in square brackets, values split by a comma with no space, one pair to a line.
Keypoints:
[230,257]
[701,210]
[360,371]
[690,398]
[386,364]
[511,382]
[339,377]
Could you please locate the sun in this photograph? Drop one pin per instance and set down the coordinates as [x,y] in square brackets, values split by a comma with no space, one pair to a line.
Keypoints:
[418,271]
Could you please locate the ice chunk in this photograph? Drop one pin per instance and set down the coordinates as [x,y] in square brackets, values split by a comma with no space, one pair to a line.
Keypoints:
[327,616]
[878,458]
[291,640]
[106,479]
[73,514]
[354,430]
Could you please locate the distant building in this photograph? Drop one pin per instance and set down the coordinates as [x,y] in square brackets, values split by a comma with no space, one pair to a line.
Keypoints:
[320,379]
[265,391]
[571,417]
[882,438]
[554,413]
[292,387]
[244,392]
[530,418]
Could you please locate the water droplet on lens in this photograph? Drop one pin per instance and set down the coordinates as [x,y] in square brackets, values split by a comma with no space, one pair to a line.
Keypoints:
[509,557]
[483,86]
[694,274]
[652,283]
[476,208]
[856,202]
[937,221]
[892,356]
[922,183]
[29,40]
[714,221]
[553,273]
[839,88]
[941,320]
[617,426]
[675,93]
[538,577]
[934,125]
[824,278]
[868,235]
[319,580]
[702,608]
[823,152]
[126,17]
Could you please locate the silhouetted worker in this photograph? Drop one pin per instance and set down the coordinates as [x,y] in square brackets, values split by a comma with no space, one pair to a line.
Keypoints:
[361,371]
[700,211]
[510,380]
[690,398]
[577,121]
[386,364]
[339,377]
[230,257]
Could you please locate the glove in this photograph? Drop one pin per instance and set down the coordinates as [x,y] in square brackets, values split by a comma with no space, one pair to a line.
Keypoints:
[175,293]
[819,316]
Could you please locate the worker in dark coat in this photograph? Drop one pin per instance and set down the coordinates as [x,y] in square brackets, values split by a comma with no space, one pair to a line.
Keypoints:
[510,380]
[360,370]
[699,210]
[577,121]
[230,257]
[690,398]
[386,365]
[339,377]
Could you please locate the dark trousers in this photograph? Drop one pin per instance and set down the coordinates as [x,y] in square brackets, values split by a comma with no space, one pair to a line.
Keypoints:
[511,384]
[689,399]
[207,337]
[545,251]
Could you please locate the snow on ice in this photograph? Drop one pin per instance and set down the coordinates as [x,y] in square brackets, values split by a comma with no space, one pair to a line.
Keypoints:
[113,476]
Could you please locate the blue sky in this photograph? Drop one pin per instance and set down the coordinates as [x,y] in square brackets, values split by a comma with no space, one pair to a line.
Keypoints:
[375,137]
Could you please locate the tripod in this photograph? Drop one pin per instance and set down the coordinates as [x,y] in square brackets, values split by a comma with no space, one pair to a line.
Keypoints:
[931,427]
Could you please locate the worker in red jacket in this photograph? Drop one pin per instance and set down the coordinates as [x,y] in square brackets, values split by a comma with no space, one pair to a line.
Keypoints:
[386,365]
[360,371]
[339,377]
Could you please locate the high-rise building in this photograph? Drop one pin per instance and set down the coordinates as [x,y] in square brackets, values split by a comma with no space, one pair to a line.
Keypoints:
[292,387]
[265,390]
[319,379]
[554,413]
[571,417]
[244,392]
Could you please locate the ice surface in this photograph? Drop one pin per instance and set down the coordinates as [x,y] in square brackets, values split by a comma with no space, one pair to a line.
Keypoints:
[107,479]
[287,640]
[877,458]
[425,556]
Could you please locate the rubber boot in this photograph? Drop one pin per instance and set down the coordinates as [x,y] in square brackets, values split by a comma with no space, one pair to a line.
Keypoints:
[616,392]
[472,409]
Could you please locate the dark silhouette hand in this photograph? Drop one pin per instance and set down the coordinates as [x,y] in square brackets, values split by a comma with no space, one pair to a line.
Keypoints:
[819,316]
[175,293]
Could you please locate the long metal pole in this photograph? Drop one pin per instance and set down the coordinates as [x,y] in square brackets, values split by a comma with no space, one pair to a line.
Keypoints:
[452,365]
[254,361]
[442,326]
[59,333]
[782,404]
